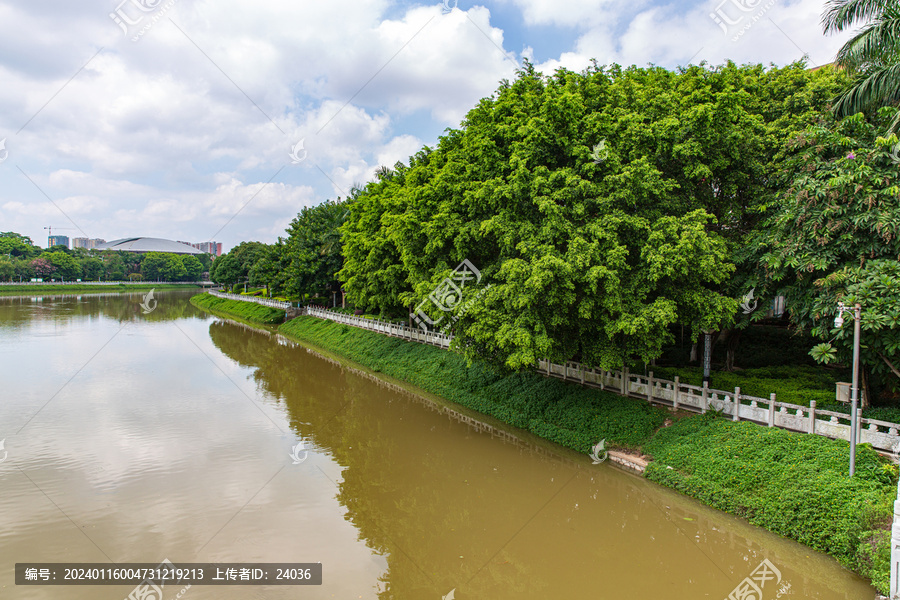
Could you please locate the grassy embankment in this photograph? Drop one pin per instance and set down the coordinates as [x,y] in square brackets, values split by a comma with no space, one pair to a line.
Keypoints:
[248,311]
[87,287]
[792,484]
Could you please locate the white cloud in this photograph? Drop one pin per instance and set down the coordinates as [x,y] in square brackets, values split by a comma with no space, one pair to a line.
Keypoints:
[782,32]
[572,13]
[170,135]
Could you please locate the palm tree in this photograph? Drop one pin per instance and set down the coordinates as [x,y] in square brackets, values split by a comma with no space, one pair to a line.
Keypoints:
[872,55]
[331,238]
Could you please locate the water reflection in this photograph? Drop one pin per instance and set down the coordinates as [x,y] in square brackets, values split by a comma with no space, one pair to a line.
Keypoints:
[16,311]
[136,439]
[453,507]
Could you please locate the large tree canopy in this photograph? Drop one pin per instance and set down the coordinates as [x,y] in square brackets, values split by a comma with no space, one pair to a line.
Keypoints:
[600,208]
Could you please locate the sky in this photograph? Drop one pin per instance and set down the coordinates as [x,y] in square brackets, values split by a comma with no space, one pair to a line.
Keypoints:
[202,120]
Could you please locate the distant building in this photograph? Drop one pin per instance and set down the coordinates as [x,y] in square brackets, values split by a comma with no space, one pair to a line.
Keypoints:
[88,243]
[209,247]
[58,240]
[147,244]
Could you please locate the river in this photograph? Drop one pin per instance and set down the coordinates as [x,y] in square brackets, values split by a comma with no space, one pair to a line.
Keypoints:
[134,438]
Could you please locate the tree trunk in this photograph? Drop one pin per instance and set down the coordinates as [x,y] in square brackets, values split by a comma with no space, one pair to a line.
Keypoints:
[733,339]
[693,353]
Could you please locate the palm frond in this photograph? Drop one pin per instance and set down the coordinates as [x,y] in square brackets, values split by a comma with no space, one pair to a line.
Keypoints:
[879,88]
[878,43]
[840,14]
[894,126]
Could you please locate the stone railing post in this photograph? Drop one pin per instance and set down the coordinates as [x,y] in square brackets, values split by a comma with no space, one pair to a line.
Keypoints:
[675,394]
[771,422]
[704,398]
[736,407]
[812,416]
[582,372]
[650,387]
[624,382]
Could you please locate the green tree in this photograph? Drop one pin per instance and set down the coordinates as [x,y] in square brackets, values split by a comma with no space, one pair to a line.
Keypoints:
[193,268]
[270,267]
[839,213]
[153,266]
[91,268]
[234,266]
[7,269]
[64,265]
[313,249]
[17,245]
[113,266]
[876,287]
[174,268]
[24,270]
[871,55]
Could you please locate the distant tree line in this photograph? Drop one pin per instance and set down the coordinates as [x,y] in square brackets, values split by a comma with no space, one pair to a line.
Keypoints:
[21,260]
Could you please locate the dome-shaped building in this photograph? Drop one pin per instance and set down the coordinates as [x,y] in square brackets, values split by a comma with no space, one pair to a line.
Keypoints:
[148,244]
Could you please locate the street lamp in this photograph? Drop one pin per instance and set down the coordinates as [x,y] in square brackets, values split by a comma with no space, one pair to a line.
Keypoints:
[854,389]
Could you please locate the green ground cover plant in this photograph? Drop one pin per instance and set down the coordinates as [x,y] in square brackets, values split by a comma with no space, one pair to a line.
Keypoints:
[250,311]
[792,484]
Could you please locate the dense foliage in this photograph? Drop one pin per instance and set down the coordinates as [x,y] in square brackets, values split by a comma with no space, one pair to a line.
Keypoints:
[600,212]
[834,237]
[600,207]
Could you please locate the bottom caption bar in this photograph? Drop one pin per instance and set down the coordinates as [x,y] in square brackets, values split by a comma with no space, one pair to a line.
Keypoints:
[168,573]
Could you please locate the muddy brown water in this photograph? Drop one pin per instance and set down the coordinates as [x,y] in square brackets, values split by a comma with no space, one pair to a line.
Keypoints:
[132,437]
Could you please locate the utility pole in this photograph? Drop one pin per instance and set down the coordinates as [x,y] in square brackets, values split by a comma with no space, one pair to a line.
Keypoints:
[854,389]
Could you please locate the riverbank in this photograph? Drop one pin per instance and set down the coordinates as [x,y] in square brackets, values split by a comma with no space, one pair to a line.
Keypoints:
[248,311]
[792,484]
[8,290]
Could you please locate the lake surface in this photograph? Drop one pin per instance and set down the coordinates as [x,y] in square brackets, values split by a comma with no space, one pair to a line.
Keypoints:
[134,438]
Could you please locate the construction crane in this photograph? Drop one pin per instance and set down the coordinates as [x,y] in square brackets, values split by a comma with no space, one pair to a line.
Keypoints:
[49,229]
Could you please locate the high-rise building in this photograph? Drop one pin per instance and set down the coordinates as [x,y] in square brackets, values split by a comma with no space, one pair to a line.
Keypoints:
[209,247]
[89,243]
[58,240]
